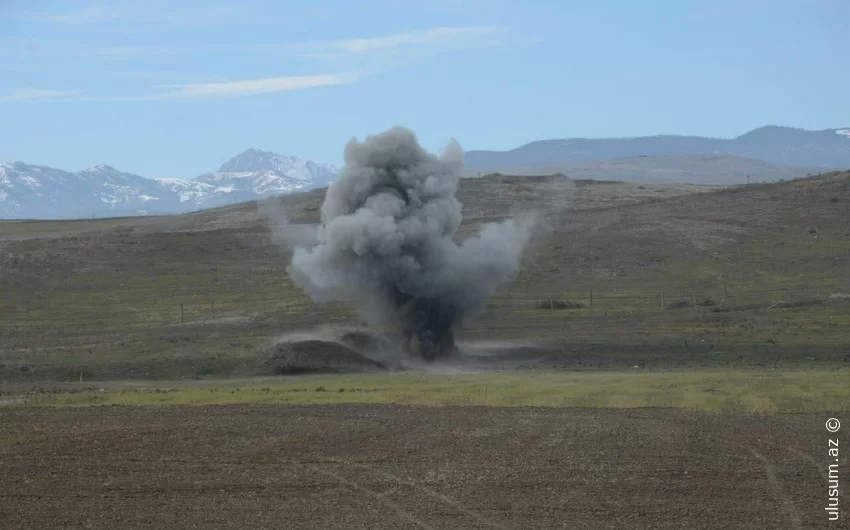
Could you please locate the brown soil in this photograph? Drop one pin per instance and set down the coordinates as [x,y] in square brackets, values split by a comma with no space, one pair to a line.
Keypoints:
[365,466]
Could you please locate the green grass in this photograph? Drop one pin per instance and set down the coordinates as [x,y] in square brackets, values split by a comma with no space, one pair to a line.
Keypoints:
[716,391]
[94,296]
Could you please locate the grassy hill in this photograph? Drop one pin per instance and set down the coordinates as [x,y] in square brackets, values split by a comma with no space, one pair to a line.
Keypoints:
[697,169]
[680,276]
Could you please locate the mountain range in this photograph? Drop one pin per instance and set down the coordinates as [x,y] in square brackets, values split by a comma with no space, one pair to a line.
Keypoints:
[30,191]
[783,146]
[765,154]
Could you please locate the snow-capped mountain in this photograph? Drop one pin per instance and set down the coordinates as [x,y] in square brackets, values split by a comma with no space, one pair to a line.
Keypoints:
[43,192]
[255,160]
[29,191]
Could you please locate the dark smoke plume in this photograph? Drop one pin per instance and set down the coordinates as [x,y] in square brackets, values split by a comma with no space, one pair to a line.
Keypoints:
[386,243]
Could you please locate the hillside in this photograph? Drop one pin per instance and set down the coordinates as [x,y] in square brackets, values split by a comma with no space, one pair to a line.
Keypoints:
[783,146]
[746,276]
[722,170]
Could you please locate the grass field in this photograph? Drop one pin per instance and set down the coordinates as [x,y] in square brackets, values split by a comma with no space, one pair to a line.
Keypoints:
[681,277]
[713,391]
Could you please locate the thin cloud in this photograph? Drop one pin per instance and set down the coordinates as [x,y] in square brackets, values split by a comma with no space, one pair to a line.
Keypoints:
[256,86]
[162,14]
[383,54]
[427,41]
[451,37]
[28,94]
[366,56]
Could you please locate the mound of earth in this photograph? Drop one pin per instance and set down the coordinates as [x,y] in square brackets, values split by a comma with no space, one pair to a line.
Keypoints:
[365,341]
[317,356]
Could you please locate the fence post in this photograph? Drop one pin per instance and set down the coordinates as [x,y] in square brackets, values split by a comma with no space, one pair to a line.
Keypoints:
[551,303]
[662,300]
[591,297]
[181,313]
[694,300]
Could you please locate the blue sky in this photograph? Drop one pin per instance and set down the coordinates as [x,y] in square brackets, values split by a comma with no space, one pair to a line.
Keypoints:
[163,88]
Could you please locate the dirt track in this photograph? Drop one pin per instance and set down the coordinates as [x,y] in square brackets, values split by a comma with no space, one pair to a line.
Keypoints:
[371,466]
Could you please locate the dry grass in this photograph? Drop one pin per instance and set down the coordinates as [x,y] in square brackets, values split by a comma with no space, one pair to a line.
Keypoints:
[713,391]
[103,297]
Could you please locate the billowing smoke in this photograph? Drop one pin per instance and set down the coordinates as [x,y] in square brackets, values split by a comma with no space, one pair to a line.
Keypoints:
[386,243]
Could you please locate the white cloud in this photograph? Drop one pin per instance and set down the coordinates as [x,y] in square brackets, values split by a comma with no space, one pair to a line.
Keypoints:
[452,37]
[429,41]
[366,56]
[256,86]
[26,94]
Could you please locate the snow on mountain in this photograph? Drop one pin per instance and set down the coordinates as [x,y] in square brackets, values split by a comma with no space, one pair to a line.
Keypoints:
[843,132]
[188,191]
[29,191]
[261,183]
[255,160]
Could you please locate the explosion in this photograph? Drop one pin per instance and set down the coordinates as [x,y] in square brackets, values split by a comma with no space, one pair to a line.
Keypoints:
[386,244]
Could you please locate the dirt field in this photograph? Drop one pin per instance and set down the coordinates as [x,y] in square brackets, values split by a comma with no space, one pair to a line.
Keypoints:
[373,466]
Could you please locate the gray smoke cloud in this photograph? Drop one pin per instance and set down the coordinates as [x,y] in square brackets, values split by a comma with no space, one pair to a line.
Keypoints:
[386,244]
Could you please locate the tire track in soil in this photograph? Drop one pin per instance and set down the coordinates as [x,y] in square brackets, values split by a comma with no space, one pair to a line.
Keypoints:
[770,471]
[382,498]
[435,494]
[787,504]
[821,469]
[805,456]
